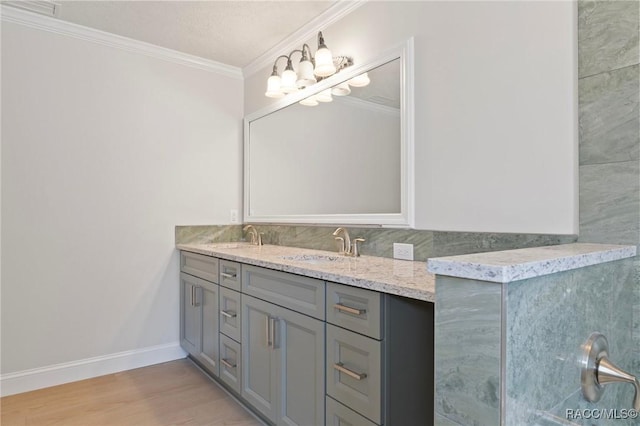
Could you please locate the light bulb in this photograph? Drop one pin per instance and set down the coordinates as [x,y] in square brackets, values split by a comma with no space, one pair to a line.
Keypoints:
[324,63]
[324,96]
[305,69]
[360,80]
[310,101]
[341,89]
[273,87]
[289,78]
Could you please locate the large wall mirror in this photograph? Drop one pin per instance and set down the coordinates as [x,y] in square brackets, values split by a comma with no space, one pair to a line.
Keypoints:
[348,161]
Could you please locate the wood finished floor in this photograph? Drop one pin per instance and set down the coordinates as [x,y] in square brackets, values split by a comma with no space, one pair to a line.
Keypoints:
[173,393]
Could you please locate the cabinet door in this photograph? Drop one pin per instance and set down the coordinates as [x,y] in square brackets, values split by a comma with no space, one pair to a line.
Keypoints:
[207,302]
[299,340]
[259,359]
[190,321]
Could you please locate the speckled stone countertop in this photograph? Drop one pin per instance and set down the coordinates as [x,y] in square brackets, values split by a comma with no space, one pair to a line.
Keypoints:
[514,265]
[400,277]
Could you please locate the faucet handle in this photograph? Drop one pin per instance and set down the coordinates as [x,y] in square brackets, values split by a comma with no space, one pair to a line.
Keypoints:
[355,252]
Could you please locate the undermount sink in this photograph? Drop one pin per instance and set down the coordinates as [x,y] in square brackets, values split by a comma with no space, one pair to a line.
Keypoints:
[314,258]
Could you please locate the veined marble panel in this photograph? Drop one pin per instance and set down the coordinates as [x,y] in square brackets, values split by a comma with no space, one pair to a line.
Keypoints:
[208,234]
[467,345]
[610,116]
[607,35]
[455,243]
[444,421]
[547,321]
[610,203]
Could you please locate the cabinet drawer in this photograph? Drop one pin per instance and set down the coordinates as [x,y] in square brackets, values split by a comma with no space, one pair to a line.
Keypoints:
[354,371]
[230,366]
[339,415]
[230,274]
[205,267]
[355,308]
[301,294]
[230,315]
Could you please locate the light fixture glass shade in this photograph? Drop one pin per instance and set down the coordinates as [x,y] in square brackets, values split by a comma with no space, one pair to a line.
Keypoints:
[324,63]
[288,84]
[324,96]
[305,72]
[360,80]
[341,89]
[273,87]
[310,101]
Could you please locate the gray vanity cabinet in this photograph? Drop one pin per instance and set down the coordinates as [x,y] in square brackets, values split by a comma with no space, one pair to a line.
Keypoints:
[379,364]
[283,350]
[199,324]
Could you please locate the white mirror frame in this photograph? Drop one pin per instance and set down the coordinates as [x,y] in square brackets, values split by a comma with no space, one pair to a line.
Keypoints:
[403,219]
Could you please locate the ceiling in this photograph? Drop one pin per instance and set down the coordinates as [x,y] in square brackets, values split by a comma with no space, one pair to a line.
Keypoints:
[227,31]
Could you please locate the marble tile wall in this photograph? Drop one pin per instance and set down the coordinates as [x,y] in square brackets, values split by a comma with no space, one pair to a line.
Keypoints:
[547,320]
[467,345]
[609,130]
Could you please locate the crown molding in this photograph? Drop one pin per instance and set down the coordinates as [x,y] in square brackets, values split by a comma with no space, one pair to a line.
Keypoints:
[46,23]
[309,30]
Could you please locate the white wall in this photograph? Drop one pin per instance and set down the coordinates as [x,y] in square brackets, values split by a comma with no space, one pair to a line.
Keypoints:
[103,152]
[495,108]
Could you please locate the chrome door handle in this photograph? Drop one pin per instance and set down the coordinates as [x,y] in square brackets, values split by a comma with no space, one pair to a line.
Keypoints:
[341,368]
[598,371]
[228,314]
[227,275]
[349,309]
[227,363]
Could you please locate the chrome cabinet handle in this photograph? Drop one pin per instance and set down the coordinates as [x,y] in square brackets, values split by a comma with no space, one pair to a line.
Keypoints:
[267,331]
[195,296]
[227,314]
[341,368]
[349,309]
[227,275]
[227,363]
[273,322]
[598,371]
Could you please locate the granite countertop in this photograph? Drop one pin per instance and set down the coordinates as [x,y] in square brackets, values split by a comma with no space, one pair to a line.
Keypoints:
[399,277]
[514,265]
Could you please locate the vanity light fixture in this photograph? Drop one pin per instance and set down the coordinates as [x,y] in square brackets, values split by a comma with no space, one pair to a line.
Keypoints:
[309,71]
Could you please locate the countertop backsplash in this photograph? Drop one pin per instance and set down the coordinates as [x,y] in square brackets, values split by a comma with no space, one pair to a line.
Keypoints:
[379,241]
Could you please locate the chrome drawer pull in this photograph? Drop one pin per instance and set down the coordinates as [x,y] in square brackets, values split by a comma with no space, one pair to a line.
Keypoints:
[230,314]
[349,309]
[227,363]
[341,368]
[227,275]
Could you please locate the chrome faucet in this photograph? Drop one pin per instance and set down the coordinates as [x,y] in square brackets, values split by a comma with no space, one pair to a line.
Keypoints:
[345,245]
[255,237]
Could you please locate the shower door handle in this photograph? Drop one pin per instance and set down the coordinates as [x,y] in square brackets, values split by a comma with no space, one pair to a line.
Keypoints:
[598,371]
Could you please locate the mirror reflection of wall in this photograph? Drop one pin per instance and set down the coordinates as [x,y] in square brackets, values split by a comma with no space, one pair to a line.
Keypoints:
[340,157]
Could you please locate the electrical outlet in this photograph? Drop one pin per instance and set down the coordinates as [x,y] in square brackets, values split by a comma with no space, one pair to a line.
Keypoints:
[233,216]
[403,251]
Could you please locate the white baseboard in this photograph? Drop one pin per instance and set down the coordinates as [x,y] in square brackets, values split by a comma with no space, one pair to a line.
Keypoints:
[52,375]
